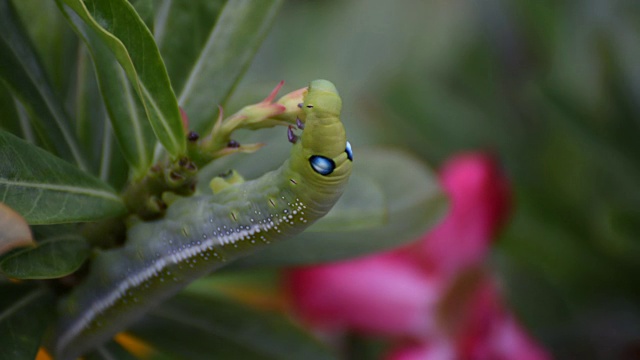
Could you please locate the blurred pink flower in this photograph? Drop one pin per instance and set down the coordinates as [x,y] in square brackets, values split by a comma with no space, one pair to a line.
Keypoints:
[431,297]
[383,294]
[480,202]
[490,332]
[426,350]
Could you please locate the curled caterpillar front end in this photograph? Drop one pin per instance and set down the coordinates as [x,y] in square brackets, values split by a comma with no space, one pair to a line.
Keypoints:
[324,159]
[200,233]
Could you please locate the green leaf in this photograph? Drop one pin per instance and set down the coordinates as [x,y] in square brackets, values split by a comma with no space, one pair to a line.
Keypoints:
[181,30]
[89,112]
[265,282]
[47,190]
[221,60]
[25,313]
[193,327]
[113,165]
[413,199]
[146,11]
[130,125]
[51,259]
[54,42]
[363,205]
[93,126]
[127,37]
[22,72]
[10,120]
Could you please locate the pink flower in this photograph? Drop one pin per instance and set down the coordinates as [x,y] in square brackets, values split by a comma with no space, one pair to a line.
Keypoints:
[426,350]
[490,332]
[382,294]
[480,202]
[430,297]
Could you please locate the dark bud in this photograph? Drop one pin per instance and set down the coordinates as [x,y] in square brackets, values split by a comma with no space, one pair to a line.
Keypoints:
[300,105]
[193,136]
[233,144]
[183,161]
[162,205]
[291,136]
[176,176]
[191,166]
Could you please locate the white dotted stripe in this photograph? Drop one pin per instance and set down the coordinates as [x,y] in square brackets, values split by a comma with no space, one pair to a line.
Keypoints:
[177,257]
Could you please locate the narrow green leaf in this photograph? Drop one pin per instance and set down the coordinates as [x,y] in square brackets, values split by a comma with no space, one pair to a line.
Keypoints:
[113,165]
[181,30]
[125,34]
[10,120]
[33,131]
[25,313]
[54,42]
[222,59]
[51,259]
[413,199]
[93,126]
[89,112]
[219,283]
[132,130]
[146,11]
[194,327]
[22,72]
[47,190]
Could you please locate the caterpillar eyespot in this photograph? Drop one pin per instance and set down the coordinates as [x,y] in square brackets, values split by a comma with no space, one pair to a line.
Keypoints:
[200,233]
[322,165]
[349,151]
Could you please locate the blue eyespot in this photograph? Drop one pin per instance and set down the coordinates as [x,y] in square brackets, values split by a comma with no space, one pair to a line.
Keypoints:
[349,151]
[322,165]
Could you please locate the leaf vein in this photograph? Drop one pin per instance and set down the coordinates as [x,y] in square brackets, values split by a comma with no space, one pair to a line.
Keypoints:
[21,303]
[163,120]
[195,69]
[63,188]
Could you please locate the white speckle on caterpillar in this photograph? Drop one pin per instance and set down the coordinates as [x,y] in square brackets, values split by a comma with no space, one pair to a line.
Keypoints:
[184,254]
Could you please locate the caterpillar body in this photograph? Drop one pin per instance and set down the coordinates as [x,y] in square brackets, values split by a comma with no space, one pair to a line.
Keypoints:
[198,234]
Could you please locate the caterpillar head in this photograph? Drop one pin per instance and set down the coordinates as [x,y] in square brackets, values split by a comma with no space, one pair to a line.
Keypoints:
[325,153]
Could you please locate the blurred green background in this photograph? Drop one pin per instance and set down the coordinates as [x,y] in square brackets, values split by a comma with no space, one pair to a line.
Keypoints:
[552,88]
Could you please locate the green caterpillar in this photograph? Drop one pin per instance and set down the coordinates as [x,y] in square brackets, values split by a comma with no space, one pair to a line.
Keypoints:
[198,234]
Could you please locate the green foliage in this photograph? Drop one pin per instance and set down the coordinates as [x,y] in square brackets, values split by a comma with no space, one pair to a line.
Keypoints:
[51,258]
[91,133]
[130,41]
[47,190]
[551,88]
[26,313]
[126,112]
[236,332]
[23,73]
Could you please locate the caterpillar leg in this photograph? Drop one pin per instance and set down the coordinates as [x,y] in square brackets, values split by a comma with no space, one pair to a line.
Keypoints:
[224,181]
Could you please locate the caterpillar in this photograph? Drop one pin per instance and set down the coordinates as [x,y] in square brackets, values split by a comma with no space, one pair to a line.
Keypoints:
[200,233]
